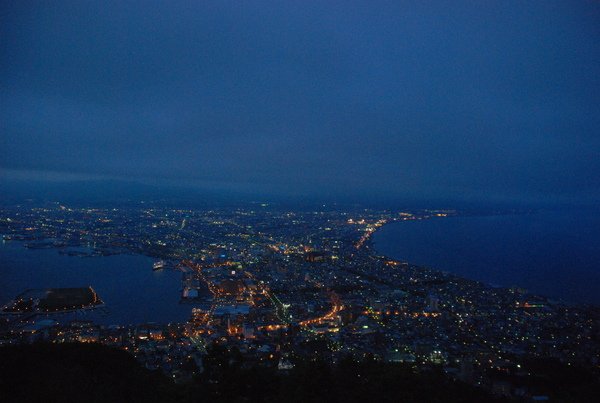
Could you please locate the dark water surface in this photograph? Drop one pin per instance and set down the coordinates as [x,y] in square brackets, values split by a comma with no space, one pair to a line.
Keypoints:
[551,254]
[133,293]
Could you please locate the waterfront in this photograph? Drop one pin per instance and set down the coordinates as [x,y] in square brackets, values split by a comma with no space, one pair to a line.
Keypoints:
[132,291]
[549,253]
[283,284]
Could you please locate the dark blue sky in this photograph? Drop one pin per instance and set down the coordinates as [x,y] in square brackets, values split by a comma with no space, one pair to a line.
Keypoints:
[476,100]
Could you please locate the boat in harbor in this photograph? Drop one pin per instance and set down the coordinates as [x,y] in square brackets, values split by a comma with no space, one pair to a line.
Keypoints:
[159,265]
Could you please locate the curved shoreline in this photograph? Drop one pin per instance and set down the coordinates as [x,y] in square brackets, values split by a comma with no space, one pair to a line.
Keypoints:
[536,252]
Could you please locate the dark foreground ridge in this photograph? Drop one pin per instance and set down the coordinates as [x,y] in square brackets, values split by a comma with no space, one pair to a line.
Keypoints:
[96,373]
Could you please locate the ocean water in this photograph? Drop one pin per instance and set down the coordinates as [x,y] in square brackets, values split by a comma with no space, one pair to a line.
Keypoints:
[132,292]
[555,254]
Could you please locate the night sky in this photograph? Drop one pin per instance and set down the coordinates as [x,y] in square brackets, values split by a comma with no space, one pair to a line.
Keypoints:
[477,100]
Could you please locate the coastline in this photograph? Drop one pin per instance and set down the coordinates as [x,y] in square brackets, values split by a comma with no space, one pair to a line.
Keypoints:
[156,293]
[384,239]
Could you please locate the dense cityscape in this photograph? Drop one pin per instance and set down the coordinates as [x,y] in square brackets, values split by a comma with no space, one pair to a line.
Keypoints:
[274,286]
[299,201]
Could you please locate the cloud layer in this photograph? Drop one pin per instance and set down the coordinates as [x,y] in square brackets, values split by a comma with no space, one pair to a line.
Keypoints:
[390,98]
